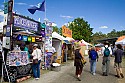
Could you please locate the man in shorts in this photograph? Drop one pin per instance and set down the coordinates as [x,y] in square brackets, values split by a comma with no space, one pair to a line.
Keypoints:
[118,60]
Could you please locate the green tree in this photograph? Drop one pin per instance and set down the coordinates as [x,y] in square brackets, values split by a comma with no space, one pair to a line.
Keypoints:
[55,29]
[81,29]
[60,31]
[112,34]
[98,36]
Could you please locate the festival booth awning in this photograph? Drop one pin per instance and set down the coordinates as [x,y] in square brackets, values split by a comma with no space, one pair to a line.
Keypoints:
[120,38]
[66,41]
[122,42]
[82,41]
[57,44]
[85,47]
[69,39]
[99,45]
[56,35]
[24,32]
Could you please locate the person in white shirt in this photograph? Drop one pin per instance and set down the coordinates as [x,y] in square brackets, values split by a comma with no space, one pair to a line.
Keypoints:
[106,52]
[37,54]
[54,55]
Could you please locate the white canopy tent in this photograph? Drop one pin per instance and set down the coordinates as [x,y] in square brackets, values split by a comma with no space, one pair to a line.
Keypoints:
[56,35]
[87,46]
[84,42]
[121,42]
[57,44]
[69,39]
[24,32]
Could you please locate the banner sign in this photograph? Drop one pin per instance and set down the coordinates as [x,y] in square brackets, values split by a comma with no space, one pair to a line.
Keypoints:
[25,23]
[66,31]
[17,58]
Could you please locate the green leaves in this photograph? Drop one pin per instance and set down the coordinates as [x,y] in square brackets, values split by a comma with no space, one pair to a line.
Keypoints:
[80,29]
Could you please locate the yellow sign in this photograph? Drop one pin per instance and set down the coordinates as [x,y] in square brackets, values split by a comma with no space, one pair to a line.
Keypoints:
[66,32]
[33,39]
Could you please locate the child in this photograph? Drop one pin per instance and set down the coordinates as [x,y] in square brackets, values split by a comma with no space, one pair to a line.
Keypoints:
[93,56]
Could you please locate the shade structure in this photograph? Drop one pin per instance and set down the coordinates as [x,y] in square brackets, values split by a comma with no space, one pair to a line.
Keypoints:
[82,44]
[24,32]
[57,36]
[121,38]
[122,42]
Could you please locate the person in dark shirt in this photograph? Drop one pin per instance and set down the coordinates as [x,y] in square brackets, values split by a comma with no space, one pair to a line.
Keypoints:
[118,60]
[77,61]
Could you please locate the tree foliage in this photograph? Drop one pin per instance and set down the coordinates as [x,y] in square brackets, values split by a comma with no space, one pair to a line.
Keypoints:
[81,29]
[100,36]
[55,29]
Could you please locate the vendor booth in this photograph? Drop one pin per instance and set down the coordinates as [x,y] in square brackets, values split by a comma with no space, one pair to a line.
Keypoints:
[24,33]
[57,44]
[122,42]
[67,44]
[84,47]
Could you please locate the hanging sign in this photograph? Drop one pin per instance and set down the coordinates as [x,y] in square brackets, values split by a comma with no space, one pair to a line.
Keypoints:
[25,23]
[66,31]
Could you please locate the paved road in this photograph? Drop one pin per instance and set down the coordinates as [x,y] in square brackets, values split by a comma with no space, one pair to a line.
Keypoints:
[66,75]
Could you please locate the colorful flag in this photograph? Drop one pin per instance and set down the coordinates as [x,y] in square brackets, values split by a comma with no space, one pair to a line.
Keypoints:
[40,7]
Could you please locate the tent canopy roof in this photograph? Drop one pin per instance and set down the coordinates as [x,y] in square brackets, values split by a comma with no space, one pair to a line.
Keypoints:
[121,42]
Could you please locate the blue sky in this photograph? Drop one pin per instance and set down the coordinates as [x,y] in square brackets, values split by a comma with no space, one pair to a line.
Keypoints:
[102,15]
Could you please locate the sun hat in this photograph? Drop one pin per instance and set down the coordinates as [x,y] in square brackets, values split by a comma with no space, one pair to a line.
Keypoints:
[35,45]
[77,46]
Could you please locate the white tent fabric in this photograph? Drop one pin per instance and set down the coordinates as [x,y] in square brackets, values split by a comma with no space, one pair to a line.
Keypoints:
[56,35]
[24,32]
[121,42]
[84,42]
[69,39]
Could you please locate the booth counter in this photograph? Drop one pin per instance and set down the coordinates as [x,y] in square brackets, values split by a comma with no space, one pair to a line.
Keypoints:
[18,65]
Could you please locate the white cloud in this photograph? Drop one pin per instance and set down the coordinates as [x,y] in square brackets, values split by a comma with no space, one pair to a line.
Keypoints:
[54,24]
[67,17]
[122,26]
[31,5]
[103,27]
[21,3]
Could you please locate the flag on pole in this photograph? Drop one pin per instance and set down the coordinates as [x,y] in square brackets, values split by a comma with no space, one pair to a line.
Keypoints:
[40,7]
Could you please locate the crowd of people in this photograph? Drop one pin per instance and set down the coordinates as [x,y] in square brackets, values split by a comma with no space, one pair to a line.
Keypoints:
[106,52]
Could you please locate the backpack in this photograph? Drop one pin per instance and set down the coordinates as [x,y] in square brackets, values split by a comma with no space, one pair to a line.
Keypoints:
[93,55]
[106,52]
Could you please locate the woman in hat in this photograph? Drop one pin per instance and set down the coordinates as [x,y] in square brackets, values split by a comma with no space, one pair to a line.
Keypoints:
[78,62]
[37,54]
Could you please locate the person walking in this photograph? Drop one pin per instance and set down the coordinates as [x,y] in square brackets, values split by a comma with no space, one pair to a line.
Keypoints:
[37,54]
[106,51]
[93,56]
[118,60]
[78,62]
